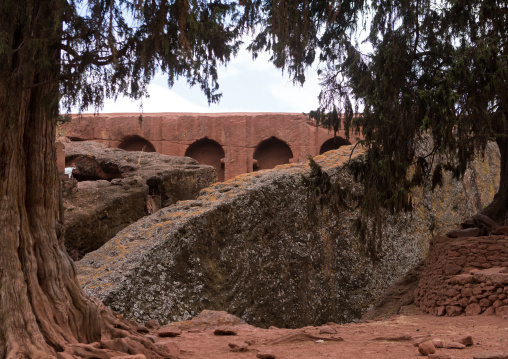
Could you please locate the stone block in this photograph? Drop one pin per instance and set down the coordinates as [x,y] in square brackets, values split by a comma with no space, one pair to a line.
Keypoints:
[502,311]
[453,311]
[473,309]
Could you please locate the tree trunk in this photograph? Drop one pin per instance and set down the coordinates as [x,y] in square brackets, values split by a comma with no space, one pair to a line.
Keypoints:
[498,208]
[44,313]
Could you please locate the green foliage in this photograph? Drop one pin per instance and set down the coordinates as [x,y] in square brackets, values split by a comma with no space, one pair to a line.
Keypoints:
[318,183]
[105,48]
[437,68]
[434,68]
[335,194]
[117,46]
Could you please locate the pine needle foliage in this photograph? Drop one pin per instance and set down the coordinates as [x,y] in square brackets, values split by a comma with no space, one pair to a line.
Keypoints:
[398,72]
[112,47]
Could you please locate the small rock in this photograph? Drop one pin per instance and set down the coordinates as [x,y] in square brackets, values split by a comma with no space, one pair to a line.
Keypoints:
[236,347]
[453,345]
[489,311]
[169,332]
[265,355]
[325,329]
[489,355]
[467,340]
[225,331]
[453,310]
[142,329]
[441,311]
[420,341]
[135,356]
[473,309]
[437,343]
[151,338]
[397,338]
[426,348]
[441,356]
[502,311]
[320,341]
[484,302]
[170,349]
[498,303]
[152,324]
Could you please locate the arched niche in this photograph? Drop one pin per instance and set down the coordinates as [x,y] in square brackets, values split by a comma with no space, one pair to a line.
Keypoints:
[333,143]
[136,143]
[270,153]
[208,152]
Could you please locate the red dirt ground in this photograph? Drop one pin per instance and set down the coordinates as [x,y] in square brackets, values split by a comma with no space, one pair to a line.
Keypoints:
[380,339]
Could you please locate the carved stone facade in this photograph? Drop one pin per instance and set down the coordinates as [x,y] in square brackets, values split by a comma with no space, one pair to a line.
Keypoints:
[234,143]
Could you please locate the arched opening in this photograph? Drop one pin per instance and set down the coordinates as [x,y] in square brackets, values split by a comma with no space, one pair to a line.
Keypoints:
[208,152]
[270,153]
[333,143]
[136,143]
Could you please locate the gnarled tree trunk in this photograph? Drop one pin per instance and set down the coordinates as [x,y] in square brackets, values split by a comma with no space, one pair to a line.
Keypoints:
[43,311]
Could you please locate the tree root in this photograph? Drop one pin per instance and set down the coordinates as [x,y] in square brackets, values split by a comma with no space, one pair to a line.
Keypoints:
[118,338]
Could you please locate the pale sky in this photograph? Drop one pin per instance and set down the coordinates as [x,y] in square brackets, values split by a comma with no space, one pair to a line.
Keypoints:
[247,86]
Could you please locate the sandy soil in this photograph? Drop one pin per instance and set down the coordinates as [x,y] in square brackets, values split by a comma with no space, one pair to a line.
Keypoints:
[380,339]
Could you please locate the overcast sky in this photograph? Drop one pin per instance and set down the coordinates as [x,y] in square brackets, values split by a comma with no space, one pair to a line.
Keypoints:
[247,86]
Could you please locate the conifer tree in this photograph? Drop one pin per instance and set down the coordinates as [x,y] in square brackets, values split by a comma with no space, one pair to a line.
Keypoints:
[78,53]
[398,72]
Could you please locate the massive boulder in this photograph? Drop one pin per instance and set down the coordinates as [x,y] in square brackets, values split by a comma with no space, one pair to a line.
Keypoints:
[112,188]
[263,247]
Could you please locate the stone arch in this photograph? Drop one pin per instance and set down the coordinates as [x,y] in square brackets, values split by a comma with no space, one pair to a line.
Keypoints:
[208,152]
[332,144]
[270,153]
[136,143]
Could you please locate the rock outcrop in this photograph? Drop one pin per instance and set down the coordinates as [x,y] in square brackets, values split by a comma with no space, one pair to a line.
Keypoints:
[116,188]
[262,247]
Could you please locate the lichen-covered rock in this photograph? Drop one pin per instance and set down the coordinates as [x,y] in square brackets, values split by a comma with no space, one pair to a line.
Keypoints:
[259,246]
[118,187]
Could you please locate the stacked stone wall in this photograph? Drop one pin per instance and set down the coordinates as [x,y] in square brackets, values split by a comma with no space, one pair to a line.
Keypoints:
[466,276]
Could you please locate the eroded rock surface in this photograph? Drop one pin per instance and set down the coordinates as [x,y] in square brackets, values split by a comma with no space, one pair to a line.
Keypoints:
[116,188]
[261,247]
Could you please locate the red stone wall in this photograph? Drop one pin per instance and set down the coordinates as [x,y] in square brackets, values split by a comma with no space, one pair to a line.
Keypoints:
[465,276]
[239,134]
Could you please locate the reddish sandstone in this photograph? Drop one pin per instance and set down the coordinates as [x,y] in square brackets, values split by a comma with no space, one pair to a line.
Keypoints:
[234,143]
